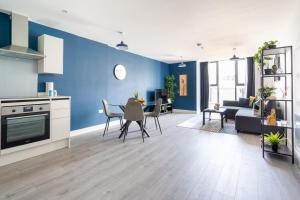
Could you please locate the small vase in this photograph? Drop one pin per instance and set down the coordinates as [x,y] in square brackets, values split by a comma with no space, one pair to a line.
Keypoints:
[275,148]
[274,69]
[272,46]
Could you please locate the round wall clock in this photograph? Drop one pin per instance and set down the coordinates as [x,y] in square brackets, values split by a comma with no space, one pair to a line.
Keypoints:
[120,72]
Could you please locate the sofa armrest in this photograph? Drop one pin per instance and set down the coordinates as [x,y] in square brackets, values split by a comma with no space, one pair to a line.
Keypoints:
[230,103]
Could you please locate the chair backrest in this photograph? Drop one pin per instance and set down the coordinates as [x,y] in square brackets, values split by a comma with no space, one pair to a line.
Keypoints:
[134,111]
[157,107]
[105,107]
[131,99]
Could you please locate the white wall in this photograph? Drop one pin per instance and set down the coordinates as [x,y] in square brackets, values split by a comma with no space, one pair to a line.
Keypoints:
[295,40]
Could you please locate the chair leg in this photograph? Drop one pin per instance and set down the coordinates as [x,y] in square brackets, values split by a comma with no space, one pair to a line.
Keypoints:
[121,124]
[155,122]
[145,121]
[142,129]
[126,129]
[106,126]
[159,125]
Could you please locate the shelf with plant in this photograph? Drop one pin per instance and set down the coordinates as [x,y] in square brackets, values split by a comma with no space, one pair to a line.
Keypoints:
[273,142]
[262,60]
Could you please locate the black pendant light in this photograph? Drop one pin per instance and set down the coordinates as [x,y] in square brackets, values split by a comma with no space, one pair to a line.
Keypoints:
[234,57]
[122,46]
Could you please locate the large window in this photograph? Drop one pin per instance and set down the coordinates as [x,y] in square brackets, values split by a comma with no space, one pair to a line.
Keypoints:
[227,80]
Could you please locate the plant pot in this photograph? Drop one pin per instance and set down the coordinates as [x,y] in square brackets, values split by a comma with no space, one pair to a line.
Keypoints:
[268,71]
[275,148]
[272,46]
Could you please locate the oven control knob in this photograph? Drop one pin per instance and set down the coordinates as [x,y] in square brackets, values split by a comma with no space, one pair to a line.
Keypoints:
[13,110]
[41,108]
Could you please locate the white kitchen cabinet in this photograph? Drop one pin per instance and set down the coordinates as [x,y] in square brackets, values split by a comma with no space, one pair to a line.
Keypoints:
[60,128]
[53,49]
[60,119]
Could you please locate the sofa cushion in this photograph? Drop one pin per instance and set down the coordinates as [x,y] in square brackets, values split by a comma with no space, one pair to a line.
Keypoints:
[246,112]
[244,102]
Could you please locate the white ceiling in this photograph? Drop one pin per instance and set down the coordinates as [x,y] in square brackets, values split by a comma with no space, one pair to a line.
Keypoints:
[167,29]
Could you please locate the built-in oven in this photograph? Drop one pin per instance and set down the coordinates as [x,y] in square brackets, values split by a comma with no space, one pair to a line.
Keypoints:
[23,124]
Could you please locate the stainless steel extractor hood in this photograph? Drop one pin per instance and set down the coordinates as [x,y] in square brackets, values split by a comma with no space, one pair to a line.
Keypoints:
[19,40]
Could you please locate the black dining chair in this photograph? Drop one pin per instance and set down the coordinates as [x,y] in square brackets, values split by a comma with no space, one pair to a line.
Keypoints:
[155,114]
[110,115]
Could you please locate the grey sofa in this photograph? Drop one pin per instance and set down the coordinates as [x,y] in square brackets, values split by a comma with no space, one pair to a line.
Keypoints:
[245,120]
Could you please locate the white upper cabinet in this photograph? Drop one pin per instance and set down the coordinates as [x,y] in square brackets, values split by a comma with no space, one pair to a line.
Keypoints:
[53,49]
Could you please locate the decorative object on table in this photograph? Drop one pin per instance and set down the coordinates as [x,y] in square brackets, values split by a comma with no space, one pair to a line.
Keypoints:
[257,107]
[271,119]
[136,94]
[266,45]
[49,88]
[120,72]
[217,106]
[141,100]
[266,92]
[170,86]
[274,140]
[183,85]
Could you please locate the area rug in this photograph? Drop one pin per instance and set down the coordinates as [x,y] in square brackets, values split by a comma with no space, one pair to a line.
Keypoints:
[213,125]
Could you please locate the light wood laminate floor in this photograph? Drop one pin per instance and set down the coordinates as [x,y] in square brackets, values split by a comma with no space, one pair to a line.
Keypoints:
[180,164]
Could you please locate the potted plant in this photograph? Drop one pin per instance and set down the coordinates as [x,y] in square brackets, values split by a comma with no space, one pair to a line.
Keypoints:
[136,94]
[266,92]
[274,139]
[170,86]
[257,57]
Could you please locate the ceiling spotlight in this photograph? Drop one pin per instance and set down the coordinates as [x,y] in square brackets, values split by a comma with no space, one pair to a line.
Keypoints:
[199,45]
[121,46]
[182,64]
[64,11]
[234,57]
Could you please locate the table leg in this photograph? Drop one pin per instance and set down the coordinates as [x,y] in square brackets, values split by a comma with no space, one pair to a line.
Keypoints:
[203,121]
[222,121]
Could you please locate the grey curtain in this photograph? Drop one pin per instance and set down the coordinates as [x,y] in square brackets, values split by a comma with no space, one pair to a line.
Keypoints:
[251,77]
[204,81]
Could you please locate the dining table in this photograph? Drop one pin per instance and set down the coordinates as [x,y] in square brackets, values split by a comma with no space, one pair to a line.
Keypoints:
[145,106]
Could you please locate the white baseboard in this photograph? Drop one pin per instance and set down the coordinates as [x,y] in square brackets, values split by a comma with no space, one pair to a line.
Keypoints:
[93,128]
[184,111]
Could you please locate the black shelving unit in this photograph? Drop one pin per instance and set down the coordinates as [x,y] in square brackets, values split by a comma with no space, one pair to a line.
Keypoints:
[285,53]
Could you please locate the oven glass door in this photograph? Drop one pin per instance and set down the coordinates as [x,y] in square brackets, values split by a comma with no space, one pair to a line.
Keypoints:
[24,129]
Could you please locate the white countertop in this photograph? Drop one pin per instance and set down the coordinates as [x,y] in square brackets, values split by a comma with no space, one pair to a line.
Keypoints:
[32,98]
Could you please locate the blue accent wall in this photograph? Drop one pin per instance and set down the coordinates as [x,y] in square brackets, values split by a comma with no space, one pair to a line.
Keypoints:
[188,102]
[88,73]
